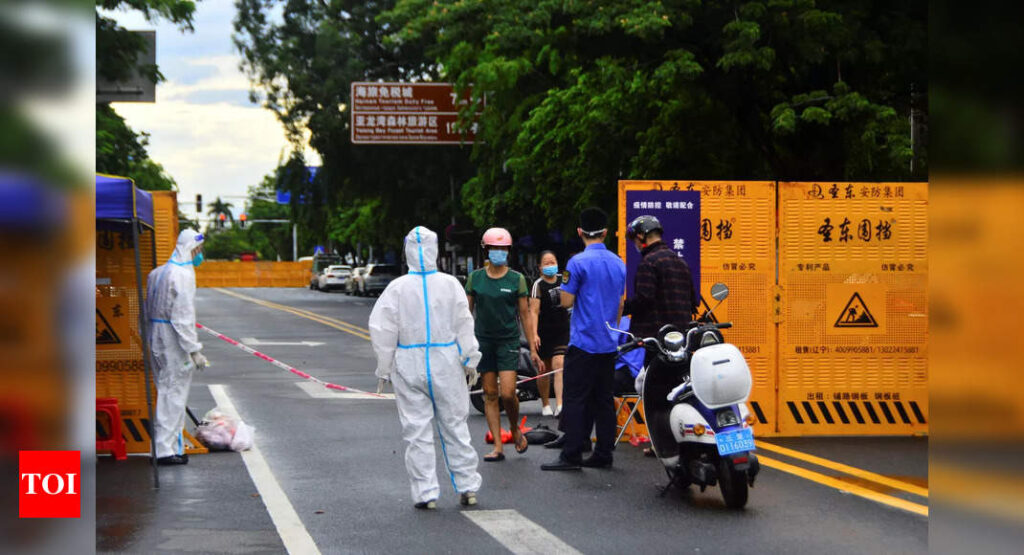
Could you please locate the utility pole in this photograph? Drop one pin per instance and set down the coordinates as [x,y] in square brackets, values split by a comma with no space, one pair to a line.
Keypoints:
[913,131]
[451,252]
[295,242]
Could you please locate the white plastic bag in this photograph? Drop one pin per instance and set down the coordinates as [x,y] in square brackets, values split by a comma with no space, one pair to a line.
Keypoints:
[243,437]
[220,432]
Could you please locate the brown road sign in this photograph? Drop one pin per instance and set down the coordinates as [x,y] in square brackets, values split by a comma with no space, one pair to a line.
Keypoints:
[407,113]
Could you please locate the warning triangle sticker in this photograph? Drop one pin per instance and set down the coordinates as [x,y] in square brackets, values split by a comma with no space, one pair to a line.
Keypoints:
[105,334]
[856,315]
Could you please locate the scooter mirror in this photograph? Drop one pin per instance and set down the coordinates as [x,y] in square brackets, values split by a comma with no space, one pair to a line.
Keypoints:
[719,291]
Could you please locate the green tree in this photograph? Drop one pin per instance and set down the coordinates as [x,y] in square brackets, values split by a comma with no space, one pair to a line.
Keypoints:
[270,240]
[117,49]
[580,94]
[226,244]
[218,207]
[119,149]
[122,151]
[301,64]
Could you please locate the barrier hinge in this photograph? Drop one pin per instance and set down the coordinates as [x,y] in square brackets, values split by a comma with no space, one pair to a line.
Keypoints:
[777,304]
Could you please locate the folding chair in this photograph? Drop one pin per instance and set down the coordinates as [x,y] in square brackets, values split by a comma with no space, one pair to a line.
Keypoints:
[630,421]
[626,397]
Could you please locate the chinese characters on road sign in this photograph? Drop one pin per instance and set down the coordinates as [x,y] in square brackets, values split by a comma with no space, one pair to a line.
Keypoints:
[408,113]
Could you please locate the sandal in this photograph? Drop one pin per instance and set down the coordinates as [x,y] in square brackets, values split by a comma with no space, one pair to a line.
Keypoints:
[494,457]
[526,444]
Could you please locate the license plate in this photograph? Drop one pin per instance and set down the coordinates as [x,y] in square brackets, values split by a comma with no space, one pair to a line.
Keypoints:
[735,441]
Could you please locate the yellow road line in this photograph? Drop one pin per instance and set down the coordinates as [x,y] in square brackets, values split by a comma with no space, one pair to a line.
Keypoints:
[988,492]
[311,313]
[293,309]
[766,461]
[331,322]
[847,469]
[838,484]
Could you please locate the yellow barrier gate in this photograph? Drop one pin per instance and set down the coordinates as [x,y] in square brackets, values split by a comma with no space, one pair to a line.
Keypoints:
[253,274]
[165,218]
[853,334]
[738,249]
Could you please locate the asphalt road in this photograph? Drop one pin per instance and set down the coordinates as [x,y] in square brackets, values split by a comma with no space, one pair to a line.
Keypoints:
[338,460]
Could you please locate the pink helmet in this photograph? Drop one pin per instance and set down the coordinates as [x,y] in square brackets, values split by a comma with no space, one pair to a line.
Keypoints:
[497,237]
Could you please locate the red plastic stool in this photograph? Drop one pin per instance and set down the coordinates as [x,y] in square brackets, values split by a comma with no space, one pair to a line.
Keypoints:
[115,441]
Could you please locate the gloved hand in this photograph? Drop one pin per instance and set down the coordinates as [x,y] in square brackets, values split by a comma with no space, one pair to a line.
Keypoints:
[556,295]
[471,376]
[199,360]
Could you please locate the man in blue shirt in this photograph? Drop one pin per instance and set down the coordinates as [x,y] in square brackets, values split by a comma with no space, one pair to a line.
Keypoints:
[593,287]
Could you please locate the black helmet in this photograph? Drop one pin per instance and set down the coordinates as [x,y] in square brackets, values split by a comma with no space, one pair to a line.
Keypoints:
[641,226]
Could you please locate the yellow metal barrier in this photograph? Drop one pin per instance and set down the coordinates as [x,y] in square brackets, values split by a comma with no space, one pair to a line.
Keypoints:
[253,274]
[853,335]
[977,301]
[165,216]
[119,370]
[738,249]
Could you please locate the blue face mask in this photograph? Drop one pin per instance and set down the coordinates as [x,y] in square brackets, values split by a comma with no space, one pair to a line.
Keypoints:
[497,257]
[197,260]
[550,270]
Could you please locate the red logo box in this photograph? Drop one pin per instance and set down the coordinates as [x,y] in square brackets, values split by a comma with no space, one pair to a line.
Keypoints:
[49,484]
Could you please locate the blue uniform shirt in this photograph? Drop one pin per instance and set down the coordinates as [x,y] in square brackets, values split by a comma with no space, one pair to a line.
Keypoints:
[598,279]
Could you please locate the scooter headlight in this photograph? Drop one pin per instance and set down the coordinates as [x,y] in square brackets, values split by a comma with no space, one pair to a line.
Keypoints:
[673,341]
[727,417]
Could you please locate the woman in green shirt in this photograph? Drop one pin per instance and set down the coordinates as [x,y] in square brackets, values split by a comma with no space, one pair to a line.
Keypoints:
[495,294]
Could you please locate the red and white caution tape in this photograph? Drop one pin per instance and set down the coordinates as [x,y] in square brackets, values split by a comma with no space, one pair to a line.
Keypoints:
[284,366]
[524,380]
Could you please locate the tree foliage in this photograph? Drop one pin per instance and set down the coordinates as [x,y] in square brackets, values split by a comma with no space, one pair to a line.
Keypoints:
[122,151]
[119,149]
[580,94]
[218,207]
[301,64]
[117,49]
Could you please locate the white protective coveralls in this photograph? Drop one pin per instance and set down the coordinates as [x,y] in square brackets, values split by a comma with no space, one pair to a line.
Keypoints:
[426,348]
[170,307]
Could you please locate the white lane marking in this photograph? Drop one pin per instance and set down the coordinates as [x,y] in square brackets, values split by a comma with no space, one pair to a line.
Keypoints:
[517,533]
[318,391]
[253,342]
[289,526]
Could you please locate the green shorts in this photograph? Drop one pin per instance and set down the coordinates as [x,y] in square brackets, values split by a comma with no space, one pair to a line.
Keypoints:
[498,354]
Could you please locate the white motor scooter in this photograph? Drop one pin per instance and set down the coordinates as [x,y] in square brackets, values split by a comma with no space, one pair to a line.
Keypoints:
[694,395]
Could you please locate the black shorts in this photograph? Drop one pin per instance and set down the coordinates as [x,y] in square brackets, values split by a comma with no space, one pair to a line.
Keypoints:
[553,343]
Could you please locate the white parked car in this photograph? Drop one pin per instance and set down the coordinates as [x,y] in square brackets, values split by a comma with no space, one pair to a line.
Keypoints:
[334,277]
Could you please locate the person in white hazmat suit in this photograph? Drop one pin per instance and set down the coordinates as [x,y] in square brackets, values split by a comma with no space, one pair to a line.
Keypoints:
[422,333]
[173,342]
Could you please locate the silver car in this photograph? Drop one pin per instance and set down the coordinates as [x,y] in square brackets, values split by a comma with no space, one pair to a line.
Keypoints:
[377,277]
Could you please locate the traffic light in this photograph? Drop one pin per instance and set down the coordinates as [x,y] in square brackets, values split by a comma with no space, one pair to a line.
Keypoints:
[241,219]
[220,219]
[199,204]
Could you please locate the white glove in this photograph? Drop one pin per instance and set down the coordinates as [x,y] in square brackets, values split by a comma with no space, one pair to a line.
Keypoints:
[471,376]
[199,360]
[556,296]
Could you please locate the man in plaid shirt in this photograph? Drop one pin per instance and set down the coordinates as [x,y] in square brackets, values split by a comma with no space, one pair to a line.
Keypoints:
[663,287]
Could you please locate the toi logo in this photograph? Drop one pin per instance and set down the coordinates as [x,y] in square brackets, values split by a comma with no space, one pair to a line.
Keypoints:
[49,484]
